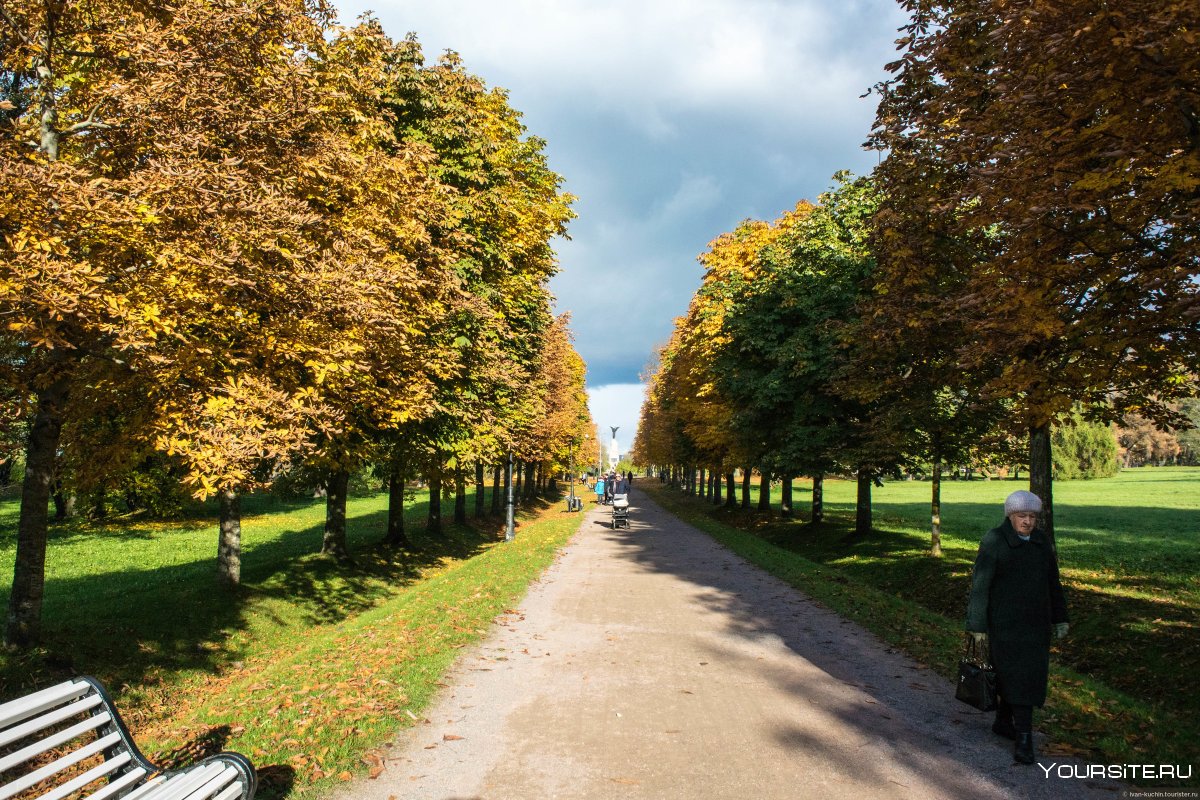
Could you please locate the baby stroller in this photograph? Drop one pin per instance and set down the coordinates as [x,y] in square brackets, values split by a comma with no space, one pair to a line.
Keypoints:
[620,511]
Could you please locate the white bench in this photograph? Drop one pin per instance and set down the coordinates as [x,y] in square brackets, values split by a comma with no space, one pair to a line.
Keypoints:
[69,741]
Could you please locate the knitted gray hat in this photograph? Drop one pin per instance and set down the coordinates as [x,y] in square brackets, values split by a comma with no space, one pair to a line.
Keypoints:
[1020,501]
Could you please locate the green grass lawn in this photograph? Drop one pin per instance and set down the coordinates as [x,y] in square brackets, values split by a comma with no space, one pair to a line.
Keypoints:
[1129,549]
[308,666]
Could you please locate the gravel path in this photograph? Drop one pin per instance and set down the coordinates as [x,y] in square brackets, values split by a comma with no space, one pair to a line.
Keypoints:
[653,663]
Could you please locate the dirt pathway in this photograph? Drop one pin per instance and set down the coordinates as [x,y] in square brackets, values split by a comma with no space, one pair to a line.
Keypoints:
[653,663]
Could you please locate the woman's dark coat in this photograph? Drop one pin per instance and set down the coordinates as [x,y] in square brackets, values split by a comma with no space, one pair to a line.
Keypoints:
[1016,595]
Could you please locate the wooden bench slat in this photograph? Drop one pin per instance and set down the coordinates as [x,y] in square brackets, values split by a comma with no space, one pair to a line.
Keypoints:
[96,772]
[116,786]
[58,765]
[50,742]
[213,786]
[230,792]
[52,718]
[91,732]
[25,707]
[180,786]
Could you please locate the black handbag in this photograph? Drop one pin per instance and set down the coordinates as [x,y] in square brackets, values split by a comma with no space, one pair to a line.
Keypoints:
[976,677]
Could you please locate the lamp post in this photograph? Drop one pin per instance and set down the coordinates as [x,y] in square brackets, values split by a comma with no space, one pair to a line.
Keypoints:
[571,473]
[509,528]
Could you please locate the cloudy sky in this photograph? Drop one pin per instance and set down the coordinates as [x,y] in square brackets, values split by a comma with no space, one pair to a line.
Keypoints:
[672,121]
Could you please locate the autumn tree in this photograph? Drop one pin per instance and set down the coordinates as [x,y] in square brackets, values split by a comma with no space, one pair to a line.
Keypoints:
[1067,135]
[507,208]
[132,143]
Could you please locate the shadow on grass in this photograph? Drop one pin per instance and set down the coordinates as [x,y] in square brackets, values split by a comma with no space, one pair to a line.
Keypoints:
[1131,643]
[139,628]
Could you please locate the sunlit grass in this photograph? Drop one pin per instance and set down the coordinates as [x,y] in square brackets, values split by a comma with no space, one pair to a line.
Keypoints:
[307,666]
[1129,548]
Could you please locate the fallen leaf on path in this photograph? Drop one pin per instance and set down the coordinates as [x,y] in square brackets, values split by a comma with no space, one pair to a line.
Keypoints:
[625,781]
[450,737]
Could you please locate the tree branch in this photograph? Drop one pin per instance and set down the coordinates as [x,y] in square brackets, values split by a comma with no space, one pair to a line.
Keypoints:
[20,34]
[86,125]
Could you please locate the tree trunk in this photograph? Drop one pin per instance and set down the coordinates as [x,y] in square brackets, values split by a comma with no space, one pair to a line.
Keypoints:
[496,472]
[433,522]
[935,545]
[785,502]
[64,502]
[24,624]
[1041,474]
[746,488]
[396,537]
[716,497]
[229,547]
[730,490]
[530,485]
[862,515]
[479,490]
[100,503]
[518,472]
[818,498]
[764,491]
[334,543]
[460,496]
[6,472]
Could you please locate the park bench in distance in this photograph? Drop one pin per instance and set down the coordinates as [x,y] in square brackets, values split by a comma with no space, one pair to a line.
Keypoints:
[68,740]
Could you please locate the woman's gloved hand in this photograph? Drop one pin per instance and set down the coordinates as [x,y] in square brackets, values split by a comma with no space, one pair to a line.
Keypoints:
[978,638]
[1060,629]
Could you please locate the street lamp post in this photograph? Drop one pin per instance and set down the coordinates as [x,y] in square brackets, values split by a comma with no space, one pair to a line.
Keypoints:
[509,528]
[571,473]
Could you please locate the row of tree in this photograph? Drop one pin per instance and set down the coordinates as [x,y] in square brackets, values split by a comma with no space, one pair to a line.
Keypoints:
[1026,255]
[248,240]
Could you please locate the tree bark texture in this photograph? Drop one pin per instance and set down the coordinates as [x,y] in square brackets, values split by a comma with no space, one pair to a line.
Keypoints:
[24,624]
[1041,474]
[818,497]
[746,488]
[433,522]
[229,545]
[935,544]
[64,503]
[764,491]
[496,471]
[334,543]
[460,497]
[530,486]
[479,490]
[716,498]
[785,502]
[862,511]
[396,537]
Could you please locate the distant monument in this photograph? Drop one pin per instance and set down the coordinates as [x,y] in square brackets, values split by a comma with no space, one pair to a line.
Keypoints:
[614,453]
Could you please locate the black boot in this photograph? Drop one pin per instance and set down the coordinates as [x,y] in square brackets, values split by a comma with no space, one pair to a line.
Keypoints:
[1003,726]
[1023,751]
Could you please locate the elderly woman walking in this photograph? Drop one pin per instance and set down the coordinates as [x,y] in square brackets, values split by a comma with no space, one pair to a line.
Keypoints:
[1016,600]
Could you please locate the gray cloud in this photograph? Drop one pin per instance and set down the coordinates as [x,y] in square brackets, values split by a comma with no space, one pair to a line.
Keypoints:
[672,120]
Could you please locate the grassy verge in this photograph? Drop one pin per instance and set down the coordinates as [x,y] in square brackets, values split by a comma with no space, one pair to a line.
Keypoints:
[1112,696]
[310,666]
